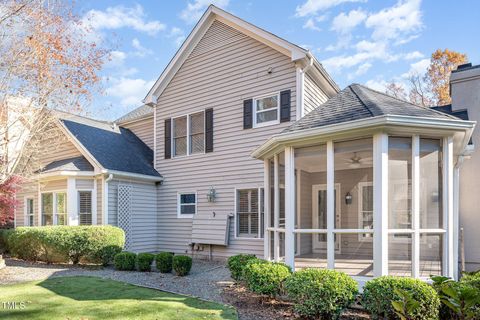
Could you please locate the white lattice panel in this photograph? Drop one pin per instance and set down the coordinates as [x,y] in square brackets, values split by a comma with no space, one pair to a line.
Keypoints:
[124,206]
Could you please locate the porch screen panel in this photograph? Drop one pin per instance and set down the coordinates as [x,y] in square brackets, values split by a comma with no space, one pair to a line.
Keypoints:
[431,254]
[400,255]
[431,209]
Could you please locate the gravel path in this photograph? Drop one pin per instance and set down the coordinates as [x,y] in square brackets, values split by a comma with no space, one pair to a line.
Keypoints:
[205,280]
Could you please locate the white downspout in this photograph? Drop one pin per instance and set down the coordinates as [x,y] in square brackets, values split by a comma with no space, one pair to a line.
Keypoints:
[301,87]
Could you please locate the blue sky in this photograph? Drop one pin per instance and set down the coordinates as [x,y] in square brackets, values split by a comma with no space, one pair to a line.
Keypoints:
[362,41]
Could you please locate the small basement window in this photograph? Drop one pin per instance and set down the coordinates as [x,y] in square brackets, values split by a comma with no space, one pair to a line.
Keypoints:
[266,110]
[187,204]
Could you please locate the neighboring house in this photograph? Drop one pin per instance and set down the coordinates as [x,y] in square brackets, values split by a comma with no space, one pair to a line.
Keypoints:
[353,179]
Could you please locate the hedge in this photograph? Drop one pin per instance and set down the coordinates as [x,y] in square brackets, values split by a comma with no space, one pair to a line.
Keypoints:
[164,262]
[125,261]
[144,261]
[182,265]
[266,277]
[379,293]
[90,244]
[321,293]
[236,265]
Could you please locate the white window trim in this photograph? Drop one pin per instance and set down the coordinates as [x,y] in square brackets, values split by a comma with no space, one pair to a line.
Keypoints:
[172,151]
[235,210]
[254,113]
[186,216]
[360,211]
[25,210]
[54,205]
[92,204]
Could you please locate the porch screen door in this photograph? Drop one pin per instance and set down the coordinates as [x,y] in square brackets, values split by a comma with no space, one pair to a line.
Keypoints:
[319,206]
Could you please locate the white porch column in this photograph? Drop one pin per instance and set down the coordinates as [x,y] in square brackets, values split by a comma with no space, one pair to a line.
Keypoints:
[416,206]
[456,217]
[380,204]
[94,202]
[276,214]
[72,202]
[289,207]
[266,210]
[330,206]
[448,251]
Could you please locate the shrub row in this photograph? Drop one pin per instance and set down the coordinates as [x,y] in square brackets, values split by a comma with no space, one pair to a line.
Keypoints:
[165,262]
[89,244]
[321,293]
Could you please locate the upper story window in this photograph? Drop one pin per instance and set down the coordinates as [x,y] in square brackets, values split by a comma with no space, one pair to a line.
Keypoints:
[266,110]
[189,134]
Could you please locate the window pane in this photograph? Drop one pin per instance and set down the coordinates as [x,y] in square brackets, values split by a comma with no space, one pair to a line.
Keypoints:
[187,198]
[197,123]
[431,254]
[187,209]
[61,202]
[197,129]
[431,184]
[180,127]
[353,162]
[47,209]
[399,183]
[197,143]
[400,255]
[30,206]
[85,207]
[266,116]
[247,213]
[180,146]
[267,103]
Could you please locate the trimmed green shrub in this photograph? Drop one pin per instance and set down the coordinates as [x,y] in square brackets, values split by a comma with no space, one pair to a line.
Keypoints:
[321,293]
[144,261]
[91,244]
[182,265]
[4,234]
[379,293]
[236,265]
[164,261]
[266,277]
[125,261]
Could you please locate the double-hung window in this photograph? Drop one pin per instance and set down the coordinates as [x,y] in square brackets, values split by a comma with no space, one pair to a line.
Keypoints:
[365,208]
[266,110]
[189,134]
[29,211]
[187,204]
[85,207]
[249,213]
[54,208]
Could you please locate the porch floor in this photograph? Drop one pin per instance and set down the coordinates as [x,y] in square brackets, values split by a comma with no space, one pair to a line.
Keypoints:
[363,266]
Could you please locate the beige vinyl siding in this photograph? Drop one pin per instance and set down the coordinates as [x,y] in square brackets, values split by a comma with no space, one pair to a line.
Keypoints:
[84,184]
[100,201]
[313,95]
[143,226]
[54,185]
[143,129]
[226,68]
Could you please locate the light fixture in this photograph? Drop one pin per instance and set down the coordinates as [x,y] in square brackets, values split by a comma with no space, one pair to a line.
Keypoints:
[348,198]
[211,195]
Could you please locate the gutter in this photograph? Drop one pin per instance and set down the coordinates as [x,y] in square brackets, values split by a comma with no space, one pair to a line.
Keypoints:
[123,174]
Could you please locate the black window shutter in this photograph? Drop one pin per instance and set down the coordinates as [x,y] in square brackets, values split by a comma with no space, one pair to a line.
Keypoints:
[247,113]
[209,130]
[168,138]
[285,106]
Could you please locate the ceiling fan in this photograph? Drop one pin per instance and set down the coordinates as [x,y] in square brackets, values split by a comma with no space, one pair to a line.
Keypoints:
[356,161]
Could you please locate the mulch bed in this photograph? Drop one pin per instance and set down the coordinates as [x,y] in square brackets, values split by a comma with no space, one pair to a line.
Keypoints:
[253,306]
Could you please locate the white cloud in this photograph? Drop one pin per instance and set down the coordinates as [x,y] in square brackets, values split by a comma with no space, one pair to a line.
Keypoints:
[311,7]
[122,17]
[377,84]
[362,69]
[194,10]
[140,51]
[129,91]
[116,59]
[413,55]
[311,23]
[344,23]
[397,22]
[417,68]
[178,36]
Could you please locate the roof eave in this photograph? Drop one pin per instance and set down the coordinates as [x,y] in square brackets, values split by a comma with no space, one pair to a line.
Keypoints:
[378,122]
[138,176]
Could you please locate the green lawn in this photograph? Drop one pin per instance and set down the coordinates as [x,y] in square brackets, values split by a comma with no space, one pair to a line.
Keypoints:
[94,298]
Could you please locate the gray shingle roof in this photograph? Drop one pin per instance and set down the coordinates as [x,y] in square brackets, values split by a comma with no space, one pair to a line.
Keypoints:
[357,102]
[137,113]
[115,148]
[71,164]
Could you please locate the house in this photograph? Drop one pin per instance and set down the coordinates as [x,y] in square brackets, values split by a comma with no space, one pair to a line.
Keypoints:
[246,145]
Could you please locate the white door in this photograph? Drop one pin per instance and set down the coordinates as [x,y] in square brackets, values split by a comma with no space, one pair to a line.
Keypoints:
[319,218]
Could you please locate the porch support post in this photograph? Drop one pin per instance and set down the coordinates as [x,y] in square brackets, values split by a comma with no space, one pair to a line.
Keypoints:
[267,213]
[289,207]
[380,204]
[276,214]
[416,206]
[72,211]
[330,206]
[448,261]
[456,222]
